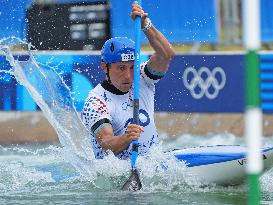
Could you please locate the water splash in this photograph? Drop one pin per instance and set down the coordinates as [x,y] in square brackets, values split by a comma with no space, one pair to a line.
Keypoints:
[52,95]
[16,176]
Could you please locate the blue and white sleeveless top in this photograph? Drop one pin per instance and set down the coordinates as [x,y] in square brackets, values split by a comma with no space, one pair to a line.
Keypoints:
[107,105]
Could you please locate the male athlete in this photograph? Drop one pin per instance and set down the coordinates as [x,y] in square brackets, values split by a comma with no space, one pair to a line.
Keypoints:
[108,109]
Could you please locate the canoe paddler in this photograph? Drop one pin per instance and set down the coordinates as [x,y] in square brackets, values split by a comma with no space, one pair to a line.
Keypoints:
[108,109]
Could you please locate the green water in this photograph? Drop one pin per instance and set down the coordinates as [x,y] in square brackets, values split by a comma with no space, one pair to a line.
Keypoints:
[21,183]
[79,193]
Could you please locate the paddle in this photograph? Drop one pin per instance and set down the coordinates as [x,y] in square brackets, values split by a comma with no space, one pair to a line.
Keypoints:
[134,183]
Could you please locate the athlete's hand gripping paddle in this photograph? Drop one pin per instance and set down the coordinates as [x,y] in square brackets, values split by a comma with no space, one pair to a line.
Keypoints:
[134,183]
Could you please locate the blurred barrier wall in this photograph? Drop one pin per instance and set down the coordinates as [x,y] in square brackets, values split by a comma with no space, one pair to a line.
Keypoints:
[194,83]
[12,15]
[266,21]
[182,21]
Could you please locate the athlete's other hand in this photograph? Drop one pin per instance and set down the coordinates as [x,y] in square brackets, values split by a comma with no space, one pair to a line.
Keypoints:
[138,11]
[133,132]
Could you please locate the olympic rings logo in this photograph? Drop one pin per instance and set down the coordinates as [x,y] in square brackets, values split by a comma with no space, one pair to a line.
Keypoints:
[205,80]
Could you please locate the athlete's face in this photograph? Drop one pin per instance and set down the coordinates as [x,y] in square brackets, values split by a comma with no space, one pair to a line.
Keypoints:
[122,75]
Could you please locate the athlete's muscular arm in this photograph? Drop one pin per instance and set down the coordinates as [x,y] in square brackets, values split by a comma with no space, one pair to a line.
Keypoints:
[117,144]
[164,52]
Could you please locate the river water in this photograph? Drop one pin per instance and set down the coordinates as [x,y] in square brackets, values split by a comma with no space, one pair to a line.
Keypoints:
[41,174]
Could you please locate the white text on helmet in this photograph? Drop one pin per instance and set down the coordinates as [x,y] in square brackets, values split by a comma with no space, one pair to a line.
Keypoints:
[127,56]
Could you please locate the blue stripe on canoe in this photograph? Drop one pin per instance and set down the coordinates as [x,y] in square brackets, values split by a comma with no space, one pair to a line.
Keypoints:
[267,149]
[193,160]
[198,159]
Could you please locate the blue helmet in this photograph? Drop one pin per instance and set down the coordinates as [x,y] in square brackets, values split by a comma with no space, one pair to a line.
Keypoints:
[118,49]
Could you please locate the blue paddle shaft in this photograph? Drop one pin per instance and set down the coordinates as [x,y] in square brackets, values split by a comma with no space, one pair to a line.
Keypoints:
[137,66]
[136,84]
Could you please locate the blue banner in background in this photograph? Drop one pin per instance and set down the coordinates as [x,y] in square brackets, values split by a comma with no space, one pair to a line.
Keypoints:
[80,73]
[202,83]
[194,83]
[87,73]
[7,87]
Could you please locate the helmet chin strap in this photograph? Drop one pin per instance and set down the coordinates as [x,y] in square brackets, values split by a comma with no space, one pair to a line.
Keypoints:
[107,73]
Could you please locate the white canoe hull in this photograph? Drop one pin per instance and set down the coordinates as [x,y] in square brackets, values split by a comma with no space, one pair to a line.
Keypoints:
[223,165]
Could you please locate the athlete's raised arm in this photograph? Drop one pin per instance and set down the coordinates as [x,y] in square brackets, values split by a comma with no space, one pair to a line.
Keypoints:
[164,52]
